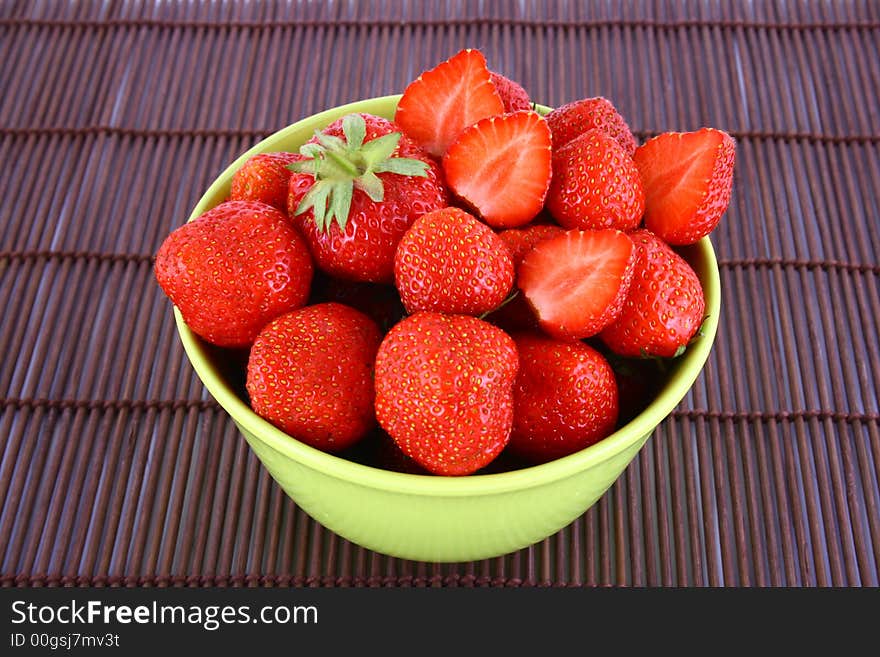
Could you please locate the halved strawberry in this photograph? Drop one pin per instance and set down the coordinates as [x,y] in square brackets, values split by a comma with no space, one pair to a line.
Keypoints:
[517,314]
[501,167]
[520,241]
[442,102]
[687,179]
[577,282]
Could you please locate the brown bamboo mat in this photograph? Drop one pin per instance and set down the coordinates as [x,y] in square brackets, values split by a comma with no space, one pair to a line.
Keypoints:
[117,468]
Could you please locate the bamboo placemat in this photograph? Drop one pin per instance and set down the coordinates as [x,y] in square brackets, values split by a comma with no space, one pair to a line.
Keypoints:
[117,468]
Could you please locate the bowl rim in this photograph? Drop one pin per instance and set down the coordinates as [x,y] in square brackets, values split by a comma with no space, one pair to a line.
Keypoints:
[681,379]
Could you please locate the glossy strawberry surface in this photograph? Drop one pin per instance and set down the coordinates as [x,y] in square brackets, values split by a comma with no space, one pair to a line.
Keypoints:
[565,398]
[310,373]
[264,177]
[575,118]
[450,262]
[444,390]
[664,306]
[595,185]
[234,269]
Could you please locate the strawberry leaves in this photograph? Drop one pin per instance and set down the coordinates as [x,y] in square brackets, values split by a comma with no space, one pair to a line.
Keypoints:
[340,166]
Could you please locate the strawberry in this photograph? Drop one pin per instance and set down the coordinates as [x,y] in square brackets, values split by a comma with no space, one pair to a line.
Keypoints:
[264,177]
[450,262]
[576,118]
[310,373]
[444,390]
[517,314]
[512,94]
[233,270]
[442,102]
[520,241]
[564,398]
[577,282]
[377,181]
[664,307]
[501,167]
[687,177]
[595,185]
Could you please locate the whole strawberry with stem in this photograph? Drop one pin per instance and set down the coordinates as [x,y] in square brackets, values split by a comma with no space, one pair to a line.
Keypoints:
[264,177]
[444,390]
[565,398]
[450,262]
[233,270]
[310,373]
[358,189]
[664,304]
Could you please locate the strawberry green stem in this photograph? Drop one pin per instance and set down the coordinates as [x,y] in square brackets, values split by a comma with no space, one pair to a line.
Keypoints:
[339,166]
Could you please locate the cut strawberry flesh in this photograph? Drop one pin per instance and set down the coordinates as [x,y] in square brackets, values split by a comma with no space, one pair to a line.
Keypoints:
[577,282]
[684,176]
[501,166]
[442,102]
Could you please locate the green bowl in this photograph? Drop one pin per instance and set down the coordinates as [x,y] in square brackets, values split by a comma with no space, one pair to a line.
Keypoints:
[431,518]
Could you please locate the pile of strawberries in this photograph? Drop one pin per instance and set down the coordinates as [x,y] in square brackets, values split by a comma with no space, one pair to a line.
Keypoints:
[459,282]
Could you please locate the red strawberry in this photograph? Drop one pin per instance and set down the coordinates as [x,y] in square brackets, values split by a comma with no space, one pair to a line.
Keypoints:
[512,94]
[310,373]
[450,262]
[377,181]
[517,314]
[576,118]
[264,177]
[501,167]
[564,398]
[577,282]
[442,102]
[233,270]
[520,241]
[664,307]
[444,390]
[687,177]
[595,185]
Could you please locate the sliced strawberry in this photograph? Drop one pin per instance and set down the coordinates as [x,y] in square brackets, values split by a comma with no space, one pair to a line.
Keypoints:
[687,179]
[442,102]
[520,241]
[501,167]
[517,314]
[577,282]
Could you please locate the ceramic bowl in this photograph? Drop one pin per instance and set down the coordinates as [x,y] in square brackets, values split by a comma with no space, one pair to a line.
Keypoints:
[432,518]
